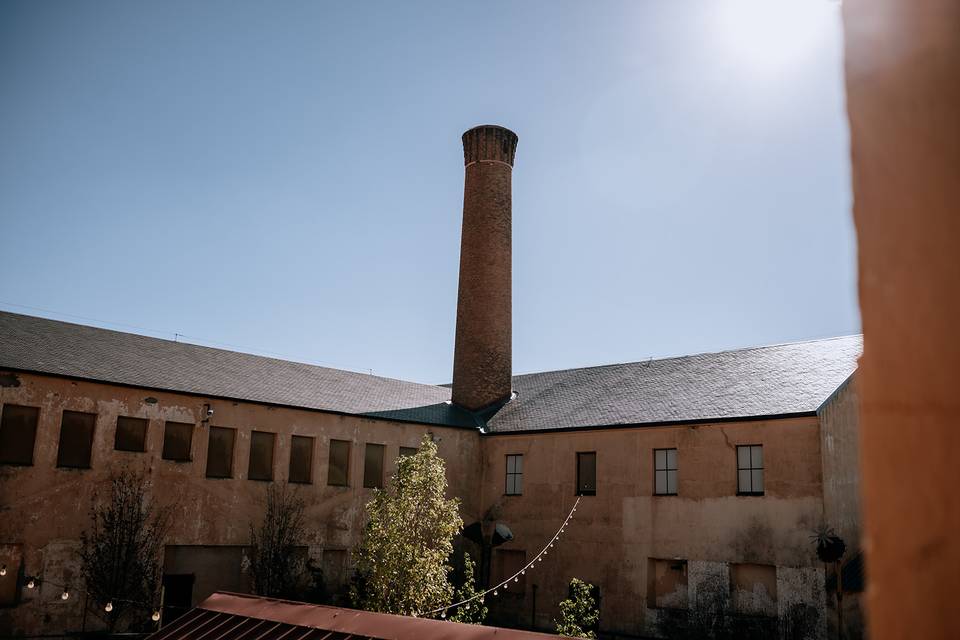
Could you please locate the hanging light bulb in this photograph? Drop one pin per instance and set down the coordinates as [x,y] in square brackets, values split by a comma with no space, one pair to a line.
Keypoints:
[494,592]
[524,572]
[3,570]
[517,579]
[64,595]
[109,607]
[31,584]
[506,584]
[443,614]
[156,616]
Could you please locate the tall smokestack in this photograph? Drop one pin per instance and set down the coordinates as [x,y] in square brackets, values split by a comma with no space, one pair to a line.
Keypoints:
[482,355]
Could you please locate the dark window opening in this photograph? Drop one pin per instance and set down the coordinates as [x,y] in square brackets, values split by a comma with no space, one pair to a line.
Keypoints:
[373,466]
[131,434]
[587,473]
[514,482]
[76,439]
[408,451]
[301,459]
[261,456]
[750,470]
[665,472]
[177,441]
[338,471]
[220,443]
[18,433]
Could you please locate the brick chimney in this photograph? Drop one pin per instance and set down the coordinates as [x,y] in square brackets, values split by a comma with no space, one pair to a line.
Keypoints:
[482,355]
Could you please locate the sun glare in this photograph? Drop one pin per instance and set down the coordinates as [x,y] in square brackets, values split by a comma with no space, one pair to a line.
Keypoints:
[771,36]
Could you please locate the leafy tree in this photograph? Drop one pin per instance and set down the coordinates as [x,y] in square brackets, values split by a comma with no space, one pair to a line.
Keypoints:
[578,613]
[276,564]
[121,552]
[403,553]
[474,612]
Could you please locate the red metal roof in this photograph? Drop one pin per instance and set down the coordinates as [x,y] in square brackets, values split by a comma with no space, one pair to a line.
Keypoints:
[232,616]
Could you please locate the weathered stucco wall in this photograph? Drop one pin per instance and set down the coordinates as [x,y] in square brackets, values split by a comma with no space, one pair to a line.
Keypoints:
[840,443]
[616,532]
[45,508]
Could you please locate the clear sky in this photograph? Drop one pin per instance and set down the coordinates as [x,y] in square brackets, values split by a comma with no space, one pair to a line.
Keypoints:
[286,177]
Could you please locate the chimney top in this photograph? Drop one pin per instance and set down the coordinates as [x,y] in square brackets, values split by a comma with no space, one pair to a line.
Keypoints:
[489,143]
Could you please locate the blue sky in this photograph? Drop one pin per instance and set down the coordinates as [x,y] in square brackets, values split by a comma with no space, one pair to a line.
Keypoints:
[286,177]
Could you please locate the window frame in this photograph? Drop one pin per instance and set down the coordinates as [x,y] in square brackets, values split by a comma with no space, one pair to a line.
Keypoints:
[751,470]
[92,417]
[515,475]
[273,456]
[381,480]
[145,422]
[346,470]
[233,453]
[33,442]
[667,469]
[312,447]
[579,491]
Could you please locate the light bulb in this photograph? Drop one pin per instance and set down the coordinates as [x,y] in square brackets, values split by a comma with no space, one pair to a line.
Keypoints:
[505,586]
[516,579]
[31,584]
[443,614]
[524,572]
[155,616]
[109,607]
[64,595]
[494,592]
[3,570]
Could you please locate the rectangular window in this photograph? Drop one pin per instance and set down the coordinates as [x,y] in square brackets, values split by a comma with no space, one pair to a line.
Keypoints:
[509,563]
[587,473]
[76,439]
[18,432]
[333,563]
[665,472]
[177,441]
[220,452]
[338,469]
[261,455]
[753,589]
[514,475]
[750,470]
[408,451]
[373,466]
[131,434]
[666,584]
[301,459]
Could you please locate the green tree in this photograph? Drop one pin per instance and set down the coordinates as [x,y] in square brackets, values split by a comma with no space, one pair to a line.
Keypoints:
[277,563]
[121,553]
[402,556]
[475,611]
[578,613]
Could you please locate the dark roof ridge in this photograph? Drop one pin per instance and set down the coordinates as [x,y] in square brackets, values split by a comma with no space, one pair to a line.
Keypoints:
[685,356]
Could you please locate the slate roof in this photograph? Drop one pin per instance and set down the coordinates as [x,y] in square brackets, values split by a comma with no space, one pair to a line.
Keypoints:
[777,380]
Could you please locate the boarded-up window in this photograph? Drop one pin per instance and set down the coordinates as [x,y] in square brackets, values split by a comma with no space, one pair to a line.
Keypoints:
[666,584]
[131,434]
[408,451]
[177,440]
[665,472]
[338,469]
[220,452]
[587,473]
[753,589]
[373,466]
[514,480]
[750,470]
[261,456]
[76,439]
[334,566]
[301,459]
[510,562]
[18,432]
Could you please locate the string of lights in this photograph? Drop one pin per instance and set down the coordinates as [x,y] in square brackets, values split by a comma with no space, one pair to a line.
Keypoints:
[466,603]
[32,582]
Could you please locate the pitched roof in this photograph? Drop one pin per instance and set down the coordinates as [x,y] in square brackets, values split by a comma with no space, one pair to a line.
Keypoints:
[775,380]
[232,616]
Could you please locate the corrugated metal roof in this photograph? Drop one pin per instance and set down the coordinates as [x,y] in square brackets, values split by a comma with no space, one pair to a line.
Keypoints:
[229,616]
[776,380]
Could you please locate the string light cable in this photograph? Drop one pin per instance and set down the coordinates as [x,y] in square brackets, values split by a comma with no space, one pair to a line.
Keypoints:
[506,583]
[33,582]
